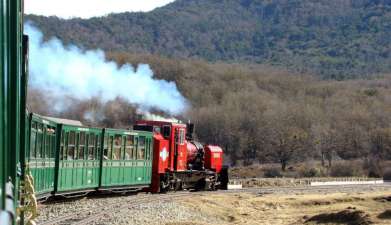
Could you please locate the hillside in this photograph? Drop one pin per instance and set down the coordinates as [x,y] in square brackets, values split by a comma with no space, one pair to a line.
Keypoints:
[335,38]
[260,113]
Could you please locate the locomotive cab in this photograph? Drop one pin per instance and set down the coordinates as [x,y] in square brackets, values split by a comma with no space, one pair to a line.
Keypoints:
[174,133]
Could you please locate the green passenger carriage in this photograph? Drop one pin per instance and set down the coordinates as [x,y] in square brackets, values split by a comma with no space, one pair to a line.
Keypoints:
[78,160]
[41,154]
[126,159]
[65,157]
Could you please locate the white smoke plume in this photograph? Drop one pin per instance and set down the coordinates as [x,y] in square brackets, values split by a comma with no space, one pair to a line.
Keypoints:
[69,71]
[154,117]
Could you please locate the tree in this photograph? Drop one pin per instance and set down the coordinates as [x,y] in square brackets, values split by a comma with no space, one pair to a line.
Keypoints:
[287,141]
[325,139]
[288,145]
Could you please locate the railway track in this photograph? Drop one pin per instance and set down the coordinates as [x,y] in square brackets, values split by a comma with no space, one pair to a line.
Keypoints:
[89,215]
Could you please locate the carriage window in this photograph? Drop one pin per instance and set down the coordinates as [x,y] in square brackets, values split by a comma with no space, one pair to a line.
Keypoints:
[148,149]
[47,145]
[64,139]
[32,143]
[135,144]
[91,147]
[82,138]
[54,147]
[71,145]
[52,141]
[117,147]
[47,142]
[61,149]
[129,147]
[110,148]
[105,148]
[82,143]
[141,148]
[77,139]
[97,146]
[38,148]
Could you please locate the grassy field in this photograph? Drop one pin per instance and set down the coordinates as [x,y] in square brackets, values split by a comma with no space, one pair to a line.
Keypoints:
[359,208]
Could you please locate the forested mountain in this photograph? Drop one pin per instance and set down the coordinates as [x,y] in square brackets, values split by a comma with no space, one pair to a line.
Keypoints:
[259,113]
[333,38]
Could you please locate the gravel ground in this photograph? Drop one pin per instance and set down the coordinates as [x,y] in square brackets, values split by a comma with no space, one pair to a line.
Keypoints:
[156,213]
[171,210]
[49,211]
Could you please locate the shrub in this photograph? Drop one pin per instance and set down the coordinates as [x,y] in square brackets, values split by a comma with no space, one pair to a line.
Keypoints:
[374,167]
[310,172]
[375,172]
[346,169]
[387,174]
[272,173]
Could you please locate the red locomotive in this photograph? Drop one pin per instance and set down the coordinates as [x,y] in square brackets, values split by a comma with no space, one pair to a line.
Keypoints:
[179,162]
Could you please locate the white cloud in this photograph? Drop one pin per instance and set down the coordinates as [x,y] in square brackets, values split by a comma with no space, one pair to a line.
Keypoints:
[89,8]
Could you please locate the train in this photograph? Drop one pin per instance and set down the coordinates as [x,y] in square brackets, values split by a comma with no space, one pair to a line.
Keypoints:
[42,157]
[68,159]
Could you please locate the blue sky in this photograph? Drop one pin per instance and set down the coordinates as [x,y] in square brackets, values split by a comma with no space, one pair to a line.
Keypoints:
[89,8]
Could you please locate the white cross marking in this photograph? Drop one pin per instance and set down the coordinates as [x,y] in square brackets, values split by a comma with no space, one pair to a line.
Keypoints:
[164,154]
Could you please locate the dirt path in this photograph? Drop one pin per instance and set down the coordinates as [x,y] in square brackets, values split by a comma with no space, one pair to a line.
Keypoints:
[355,208]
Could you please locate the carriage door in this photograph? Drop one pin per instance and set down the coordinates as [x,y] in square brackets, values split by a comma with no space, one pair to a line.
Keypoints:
[180,153]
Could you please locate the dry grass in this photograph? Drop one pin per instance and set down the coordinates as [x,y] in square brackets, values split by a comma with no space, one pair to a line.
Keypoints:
[348,216]
[292,209]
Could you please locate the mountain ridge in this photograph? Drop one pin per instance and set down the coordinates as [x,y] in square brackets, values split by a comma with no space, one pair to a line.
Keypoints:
[335,39]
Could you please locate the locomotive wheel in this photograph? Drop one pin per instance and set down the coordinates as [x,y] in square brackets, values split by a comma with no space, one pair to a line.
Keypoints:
[178,185]
[200,185]
[210,184]
[164,185]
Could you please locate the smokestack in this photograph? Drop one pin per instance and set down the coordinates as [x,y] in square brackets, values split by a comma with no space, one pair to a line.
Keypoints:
[189,130]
